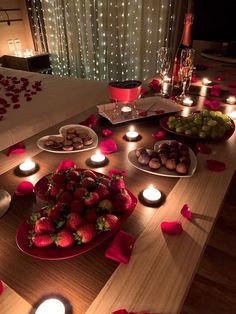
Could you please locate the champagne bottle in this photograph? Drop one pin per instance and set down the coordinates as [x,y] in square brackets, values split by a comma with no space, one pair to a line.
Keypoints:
[186,42]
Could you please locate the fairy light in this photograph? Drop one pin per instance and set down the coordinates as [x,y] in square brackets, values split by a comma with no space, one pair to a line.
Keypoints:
[107,44]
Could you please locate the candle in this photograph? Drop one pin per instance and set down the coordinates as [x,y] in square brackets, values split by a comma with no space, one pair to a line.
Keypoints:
[126,110]
[51,306]
[231,100]
[132,135]
[151,195]
[98,159]
[27,166]
[205,81]
[187,101]
[166,88]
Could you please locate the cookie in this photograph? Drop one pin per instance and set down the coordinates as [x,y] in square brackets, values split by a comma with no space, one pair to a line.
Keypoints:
[87,141]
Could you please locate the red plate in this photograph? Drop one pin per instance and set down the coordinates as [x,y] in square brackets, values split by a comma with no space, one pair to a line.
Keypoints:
[228,134]
[55,253]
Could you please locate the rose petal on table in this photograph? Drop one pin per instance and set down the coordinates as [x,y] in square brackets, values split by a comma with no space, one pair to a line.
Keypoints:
[159,111]
[172,227]
[1,287]
[91,121]
[65,164]
[121,247]
[215,90]
[144,91]
[143,113]
[123,311]
[212,104]
[155,85]
[106,132]
[18,148]
[108,146]
[160,135]
[203,149]
[115,171]
[25,187]
[186,212]
[215,165]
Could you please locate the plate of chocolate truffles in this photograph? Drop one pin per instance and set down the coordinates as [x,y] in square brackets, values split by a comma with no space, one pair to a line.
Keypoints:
[167,158]
[72,138]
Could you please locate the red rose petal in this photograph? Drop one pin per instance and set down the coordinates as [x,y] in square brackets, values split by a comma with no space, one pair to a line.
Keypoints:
[115,171]
[16,106]
[1,287]
[107,132]
[155,85]
[25,187]
[215,90]
[172,227]
[91,121]
[160,135]
[212,104]
[215,165]
[18,148]
[186,212]
[144,91]
[66,164]
[143,113]
[203,149]
[108,146]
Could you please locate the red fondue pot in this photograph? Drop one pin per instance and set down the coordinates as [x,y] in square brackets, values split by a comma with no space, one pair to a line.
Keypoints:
[126,91]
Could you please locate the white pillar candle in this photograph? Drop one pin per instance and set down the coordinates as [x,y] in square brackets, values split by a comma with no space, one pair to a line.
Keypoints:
[51,306]
[205,81]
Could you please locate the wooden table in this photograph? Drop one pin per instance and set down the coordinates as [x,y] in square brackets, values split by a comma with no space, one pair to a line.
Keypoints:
[161,268]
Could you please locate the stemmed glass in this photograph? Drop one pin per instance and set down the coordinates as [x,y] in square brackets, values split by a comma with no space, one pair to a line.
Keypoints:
[186,70]
[164,62]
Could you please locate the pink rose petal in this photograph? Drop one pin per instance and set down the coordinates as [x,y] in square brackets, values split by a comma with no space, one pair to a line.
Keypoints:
[172,227]
[155,85]
[106,132]
[186,212]
[108,146]
[1,287]
[115,171]
[18,148]
[203,149]
[212,104]
[25,187]
[66,164]
[160,135]
[215,165]
[91,121]
[215,90]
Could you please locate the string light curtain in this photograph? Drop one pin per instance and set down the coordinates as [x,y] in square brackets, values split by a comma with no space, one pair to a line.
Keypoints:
[108,39]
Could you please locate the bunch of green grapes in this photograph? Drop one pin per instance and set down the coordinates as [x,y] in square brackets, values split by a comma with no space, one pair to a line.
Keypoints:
[204,124]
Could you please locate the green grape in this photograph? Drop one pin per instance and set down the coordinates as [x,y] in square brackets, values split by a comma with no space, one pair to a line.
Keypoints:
[179,130]
[206,128]
[194,130]
[188,132]
[212,122]
[202,134]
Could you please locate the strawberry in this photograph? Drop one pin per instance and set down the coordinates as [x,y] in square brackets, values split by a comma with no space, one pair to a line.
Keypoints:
[85,233]
[56,211]
[106,222]
[123,201]
[44,225]
[59,180]
[91,198]
[88,173]
[54,190]
[91,214]
[102,191]
[87,182]
[103,180]
[77,206]
[117,182]
[65,197]
[70,186]
[73,175]
[41,239]
[74,220]
[63,238]
[79,193]
[105,206]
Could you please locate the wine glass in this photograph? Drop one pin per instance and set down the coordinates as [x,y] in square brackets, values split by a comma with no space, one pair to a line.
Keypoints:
[164,62]
[186,70]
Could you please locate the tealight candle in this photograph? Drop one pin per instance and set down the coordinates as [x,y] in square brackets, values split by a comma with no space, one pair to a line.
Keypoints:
[98,159]
[51,306]
[27,167]
[166,86]
[205,81]
[126,110]
[132,135]
[151,195]
[187,101]
[231,100]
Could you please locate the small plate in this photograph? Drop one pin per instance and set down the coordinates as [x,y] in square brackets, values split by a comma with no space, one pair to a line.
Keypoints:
[163,171]
[62,131]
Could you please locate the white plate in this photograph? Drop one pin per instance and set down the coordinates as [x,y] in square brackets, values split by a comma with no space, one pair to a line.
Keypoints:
[40,142]
[163,171]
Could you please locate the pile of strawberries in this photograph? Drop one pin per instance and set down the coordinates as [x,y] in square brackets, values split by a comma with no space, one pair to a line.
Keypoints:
[82,205]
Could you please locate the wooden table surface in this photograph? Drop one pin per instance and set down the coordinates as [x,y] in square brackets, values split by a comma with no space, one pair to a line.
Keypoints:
[161,268]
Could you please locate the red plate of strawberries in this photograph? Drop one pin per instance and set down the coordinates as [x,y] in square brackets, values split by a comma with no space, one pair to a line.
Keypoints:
[82,209]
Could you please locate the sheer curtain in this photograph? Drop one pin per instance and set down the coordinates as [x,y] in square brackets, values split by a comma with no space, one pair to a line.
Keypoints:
[108,39]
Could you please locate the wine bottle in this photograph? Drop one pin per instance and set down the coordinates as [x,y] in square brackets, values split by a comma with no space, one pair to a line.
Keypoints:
[186,42]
